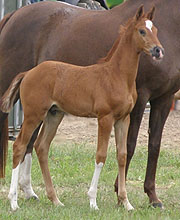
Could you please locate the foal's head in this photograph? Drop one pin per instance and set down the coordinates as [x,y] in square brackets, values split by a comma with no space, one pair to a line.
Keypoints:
[145,34]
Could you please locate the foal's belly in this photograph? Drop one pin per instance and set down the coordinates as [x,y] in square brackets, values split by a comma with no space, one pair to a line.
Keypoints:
[76,104]
[83,110]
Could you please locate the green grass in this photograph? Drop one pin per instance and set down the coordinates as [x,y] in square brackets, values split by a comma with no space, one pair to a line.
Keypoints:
[72,167]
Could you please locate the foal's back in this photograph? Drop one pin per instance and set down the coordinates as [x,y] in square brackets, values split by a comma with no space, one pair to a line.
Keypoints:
[74,89]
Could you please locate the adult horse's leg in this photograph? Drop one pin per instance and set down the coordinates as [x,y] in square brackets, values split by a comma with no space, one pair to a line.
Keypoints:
[42,145]
[135,121]
[19,149]
[3,142]
[159,112]
[104,130]
[25,169]
[121,131]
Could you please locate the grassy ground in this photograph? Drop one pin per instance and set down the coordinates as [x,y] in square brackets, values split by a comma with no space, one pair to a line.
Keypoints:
[72,168]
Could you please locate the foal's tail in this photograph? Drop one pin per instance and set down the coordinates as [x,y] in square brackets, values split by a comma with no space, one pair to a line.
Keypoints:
[7,101]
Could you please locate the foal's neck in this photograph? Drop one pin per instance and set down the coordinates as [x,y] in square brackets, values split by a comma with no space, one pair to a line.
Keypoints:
[126,58]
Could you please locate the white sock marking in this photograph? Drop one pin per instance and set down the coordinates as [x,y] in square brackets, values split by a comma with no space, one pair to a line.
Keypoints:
[13,193]
[149,25]
[25,177]
[127,205]
[92,193]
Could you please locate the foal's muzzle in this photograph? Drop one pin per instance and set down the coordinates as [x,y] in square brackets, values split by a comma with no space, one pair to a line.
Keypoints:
[157,53]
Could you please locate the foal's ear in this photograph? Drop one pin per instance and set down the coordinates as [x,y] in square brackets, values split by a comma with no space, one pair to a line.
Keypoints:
[140,12]
[150,14]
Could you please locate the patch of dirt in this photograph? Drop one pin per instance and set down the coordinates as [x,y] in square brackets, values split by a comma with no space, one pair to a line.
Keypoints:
[76,129]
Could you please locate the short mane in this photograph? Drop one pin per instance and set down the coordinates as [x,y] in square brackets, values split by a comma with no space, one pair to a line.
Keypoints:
[121,32]
[111,51]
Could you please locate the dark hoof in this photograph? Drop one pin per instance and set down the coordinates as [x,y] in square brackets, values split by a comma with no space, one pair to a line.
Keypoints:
[12,138]
[33,198]
[157,205]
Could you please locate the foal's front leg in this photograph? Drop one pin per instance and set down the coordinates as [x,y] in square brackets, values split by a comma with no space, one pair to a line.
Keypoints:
[121,130]
[104,131]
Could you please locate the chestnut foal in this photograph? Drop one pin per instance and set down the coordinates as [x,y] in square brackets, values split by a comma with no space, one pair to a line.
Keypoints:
[106,90]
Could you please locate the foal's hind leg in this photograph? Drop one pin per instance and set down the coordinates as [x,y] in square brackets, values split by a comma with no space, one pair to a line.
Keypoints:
[42,145]
[19,149]
[25,169]
[104,131]
[25,177]
[121,130]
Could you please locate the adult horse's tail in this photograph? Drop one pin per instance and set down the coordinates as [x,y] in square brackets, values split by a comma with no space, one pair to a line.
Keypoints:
[3,119]
[3,143]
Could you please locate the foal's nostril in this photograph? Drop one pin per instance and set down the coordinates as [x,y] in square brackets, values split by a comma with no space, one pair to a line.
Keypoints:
[157,52]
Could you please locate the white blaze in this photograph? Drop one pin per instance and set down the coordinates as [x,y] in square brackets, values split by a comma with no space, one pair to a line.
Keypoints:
[149,25]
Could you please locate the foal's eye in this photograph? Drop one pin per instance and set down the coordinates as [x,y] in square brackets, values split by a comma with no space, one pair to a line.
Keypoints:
[142,32]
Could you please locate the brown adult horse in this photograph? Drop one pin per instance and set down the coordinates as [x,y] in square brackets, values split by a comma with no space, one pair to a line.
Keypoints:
[56,31]
[106,91]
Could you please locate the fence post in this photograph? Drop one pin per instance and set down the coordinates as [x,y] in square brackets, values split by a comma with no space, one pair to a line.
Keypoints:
[1,9]
[19,3]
